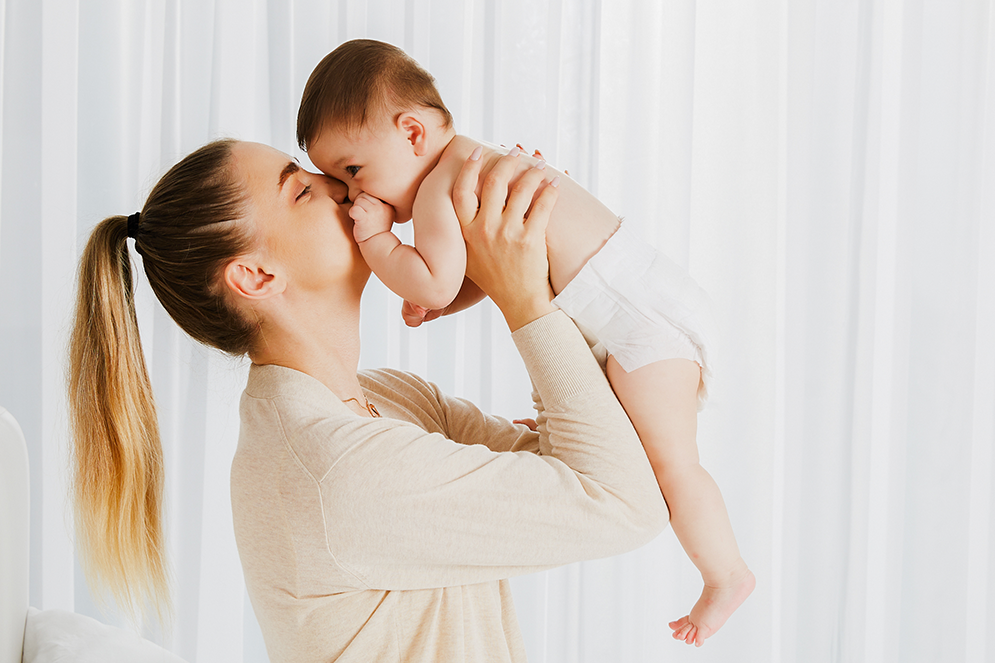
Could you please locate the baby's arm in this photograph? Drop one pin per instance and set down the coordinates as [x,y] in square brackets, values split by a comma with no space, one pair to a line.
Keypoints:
[428,274]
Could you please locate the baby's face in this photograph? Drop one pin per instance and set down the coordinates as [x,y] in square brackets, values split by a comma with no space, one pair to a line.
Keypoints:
[377,160]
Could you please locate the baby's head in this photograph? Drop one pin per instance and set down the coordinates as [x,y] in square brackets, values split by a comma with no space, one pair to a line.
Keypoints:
[372,117]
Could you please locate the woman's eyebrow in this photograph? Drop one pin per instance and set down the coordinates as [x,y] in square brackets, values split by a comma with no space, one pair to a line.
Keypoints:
[288,170]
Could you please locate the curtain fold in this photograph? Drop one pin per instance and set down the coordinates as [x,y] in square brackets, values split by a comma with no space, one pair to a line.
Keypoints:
[824,168]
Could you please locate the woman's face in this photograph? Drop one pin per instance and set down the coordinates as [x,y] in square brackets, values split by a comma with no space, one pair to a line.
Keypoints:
[297,221]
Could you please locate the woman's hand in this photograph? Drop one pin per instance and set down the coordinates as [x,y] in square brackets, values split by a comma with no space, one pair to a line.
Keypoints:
[506,250]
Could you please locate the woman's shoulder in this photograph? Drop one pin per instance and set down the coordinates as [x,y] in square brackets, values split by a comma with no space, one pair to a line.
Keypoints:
[290,419]
[297,403]
[284,387]
[271,385]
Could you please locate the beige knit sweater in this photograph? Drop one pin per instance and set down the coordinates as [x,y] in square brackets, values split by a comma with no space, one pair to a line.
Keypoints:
[391,539]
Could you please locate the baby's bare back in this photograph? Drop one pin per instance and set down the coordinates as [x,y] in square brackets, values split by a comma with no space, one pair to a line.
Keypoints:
[578,227]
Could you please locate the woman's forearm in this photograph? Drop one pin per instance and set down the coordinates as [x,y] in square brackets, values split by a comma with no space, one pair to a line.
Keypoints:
[583,425]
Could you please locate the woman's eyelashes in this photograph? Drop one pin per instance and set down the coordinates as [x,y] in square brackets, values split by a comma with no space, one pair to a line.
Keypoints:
[303,193]
[352,170]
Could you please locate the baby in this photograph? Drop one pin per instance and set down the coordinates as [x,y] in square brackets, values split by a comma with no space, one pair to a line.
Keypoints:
[372,117]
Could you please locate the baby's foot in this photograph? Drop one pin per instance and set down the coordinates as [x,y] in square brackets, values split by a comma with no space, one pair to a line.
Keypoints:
[712,610]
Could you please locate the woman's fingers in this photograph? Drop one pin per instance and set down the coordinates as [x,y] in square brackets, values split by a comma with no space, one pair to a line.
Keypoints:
[529,423]
[538,216]
[494,192]
[465,187]
[521,197]
[496,195]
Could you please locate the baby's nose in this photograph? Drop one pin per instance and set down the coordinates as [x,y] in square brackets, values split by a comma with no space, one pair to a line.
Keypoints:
[354,192]
[338,190]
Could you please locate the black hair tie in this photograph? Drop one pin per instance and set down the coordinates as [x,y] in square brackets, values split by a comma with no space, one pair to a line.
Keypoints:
[133,224]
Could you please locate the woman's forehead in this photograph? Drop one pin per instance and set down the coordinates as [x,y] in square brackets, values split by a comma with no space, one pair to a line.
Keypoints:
[263,168]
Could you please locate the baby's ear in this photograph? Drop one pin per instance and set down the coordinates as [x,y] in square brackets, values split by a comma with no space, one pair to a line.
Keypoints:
[414,130]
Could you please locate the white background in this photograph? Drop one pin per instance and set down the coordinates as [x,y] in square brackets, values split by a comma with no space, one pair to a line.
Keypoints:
[824,168]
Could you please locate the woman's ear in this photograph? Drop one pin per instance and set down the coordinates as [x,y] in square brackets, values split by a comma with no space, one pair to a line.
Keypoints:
[250,280]
[414,131]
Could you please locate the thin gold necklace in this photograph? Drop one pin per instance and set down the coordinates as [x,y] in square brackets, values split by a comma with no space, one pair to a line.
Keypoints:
[370,407]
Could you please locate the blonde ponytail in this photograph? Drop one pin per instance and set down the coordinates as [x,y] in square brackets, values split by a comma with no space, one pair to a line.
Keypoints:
[187,232]
[117,451]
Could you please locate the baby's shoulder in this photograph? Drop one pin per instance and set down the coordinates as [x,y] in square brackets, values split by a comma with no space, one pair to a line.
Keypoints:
[455,155]
[452,158]
[438,183]
[460,147]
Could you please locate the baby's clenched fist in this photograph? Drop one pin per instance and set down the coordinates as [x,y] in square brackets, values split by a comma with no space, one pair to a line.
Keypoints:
[371,216]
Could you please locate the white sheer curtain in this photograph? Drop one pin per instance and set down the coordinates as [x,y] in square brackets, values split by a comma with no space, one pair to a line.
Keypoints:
[825,168]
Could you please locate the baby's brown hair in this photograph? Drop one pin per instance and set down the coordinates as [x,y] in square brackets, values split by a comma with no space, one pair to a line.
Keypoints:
[362,80]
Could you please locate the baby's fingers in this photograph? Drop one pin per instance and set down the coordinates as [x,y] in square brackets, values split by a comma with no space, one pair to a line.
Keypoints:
[412,314]
[366,201]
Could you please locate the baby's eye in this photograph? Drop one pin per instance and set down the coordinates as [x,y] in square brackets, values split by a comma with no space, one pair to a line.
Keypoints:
[352,170]
[303,193]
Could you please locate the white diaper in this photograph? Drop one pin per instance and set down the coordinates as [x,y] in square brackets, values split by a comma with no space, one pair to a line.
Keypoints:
[641,306]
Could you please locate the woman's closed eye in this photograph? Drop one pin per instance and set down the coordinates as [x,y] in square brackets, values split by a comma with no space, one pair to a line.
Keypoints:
[303,193]
[352,170]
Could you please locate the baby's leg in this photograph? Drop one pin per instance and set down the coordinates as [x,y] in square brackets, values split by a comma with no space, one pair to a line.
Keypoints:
[662,403]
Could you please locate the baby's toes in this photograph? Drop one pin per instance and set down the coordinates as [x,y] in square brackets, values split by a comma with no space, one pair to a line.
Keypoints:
[684,626]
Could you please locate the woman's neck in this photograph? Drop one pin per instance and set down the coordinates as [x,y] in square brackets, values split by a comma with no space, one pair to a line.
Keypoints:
[322,341]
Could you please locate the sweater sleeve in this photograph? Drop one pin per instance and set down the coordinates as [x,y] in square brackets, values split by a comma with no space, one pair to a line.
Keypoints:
[410,509]
[457,418]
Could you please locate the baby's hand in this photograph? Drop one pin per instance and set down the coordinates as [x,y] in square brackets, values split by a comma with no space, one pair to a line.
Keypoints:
[413,315]
[371,216]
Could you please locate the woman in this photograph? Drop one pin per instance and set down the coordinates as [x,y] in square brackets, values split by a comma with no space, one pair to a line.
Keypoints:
[376,518]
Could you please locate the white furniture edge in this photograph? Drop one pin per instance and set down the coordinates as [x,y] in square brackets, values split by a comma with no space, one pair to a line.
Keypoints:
[14,537]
